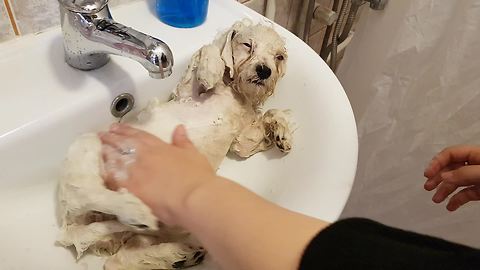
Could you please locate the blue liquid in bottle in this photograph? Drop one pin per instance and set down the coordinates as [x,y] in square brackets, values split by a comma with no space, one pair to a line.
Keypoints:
[182,13]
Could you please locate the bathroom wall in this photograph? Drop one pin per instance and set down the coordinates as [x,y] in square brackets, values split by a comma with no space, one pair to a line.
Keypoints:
[288,14]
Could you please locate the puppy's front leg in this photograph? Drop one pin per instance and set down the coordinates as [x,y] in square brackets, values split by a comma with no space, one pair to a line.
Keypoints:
[278,129]
[184,88]
[267,130]
[251,140]
[205,71]
[210,67]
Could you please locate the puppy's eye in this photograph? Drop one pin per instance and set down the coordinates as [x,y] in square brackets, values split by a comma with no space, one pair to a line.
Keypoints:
[280,57]
[248,45]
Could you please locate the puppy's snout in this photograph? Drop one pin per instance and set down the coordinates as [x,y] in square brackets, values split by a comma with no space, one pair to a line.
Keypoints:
[263,72]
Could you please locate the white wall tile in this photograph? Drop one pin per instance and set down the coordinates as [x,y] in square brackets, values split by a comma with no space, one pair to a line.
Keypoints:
[35,15]
[6,30]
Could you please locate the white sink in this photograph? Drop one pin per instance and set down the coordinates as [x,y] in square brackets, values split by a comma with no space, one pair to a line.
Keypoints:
[46,104]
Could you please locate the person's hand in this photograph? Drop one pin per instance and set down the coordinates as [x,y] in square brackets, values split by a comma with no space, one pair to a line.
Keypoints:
[453,168]
[162,175]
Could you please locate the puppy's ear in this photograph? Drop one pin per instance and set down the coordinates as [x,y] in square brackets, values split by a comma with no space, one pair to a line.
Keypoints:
[225,43]
[227,52]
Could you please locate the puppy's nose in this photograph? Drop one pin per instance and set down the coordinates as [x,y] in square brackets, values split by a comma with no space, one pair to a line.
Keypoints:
[263,72]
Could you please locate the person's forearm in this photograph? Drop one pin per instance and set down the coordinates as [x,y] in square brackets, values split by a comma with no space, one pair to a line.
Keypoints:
[240,229]
[243,231]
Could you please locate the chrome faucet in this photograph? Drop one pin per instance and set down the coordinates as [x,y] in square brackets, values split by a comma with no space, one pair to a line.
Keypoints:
[90,35]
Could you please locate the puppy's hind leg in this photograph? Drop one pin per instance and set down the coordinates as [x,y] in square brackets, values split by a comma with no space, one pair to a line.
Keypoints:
[101,237]
[144,252]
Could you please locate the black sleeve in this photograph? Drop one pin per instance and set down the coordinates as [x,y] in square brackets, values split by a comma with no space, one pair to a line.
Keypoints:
[364,244]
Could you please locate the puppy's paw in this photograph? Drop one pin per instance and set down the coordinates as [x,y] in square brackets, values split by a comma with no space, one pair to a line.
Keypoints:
[278,129]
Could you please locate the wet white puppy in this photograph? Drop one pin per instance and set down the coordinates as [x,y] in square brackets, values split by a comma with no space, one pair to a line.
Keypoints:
[219,101]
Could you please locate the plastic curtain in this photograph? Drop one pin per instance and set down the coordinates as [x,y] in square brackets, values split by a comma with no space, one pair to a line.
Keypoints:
[412,73]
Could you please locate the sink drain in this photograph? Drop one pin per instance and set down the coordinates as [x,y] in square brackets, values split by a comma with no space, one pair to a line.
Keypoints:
[122,104]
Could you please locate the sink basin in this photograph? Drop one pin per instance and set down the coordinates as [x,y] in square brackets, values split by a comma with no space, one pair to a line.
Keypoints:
[46,104]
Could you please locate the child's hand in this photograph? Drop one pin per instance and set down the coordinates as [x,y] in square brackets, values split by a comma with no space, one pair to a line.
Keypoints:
[452,168]
[162,175]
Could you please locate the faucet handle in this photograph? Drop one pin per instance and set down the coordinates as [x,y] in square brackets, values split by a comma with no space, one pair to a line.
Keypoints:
[84,6]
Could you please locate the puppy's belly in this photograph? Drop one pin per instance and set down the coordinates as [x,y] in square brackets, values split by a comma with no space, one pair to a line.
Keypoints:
[211,124]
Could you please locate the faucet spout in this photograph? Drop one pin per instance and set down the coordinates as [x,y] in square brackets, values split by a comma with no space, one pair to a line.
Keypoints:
[90,38]
[153,54]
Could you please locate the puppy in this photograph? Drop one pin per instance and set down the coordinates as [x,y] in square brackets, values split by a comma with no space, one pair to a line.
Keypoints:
[219,101]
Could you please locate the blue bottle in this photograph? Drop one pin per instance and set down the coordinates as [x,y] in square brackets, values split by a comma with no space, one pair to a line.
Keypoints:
[182,13]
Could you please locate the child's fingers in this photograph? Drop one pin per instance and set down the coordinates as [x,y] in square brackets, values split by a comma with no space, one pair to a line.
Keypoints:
[443,191]
[453,154]
[432,183]
[464,196]
[127,131]
[433,168]
[180,137]
[464,176]
[115,171]
[113,140]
